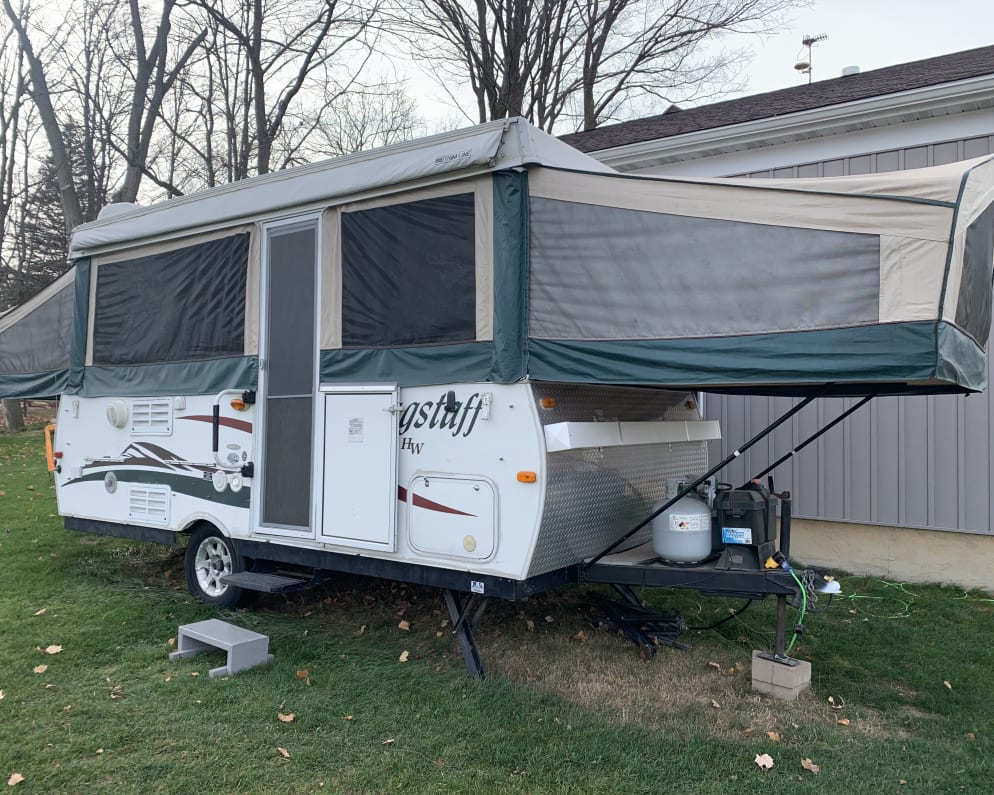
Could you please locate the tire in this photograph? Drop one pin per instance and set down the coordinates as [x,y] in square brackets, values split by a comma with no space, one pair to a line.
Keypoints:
[209,556]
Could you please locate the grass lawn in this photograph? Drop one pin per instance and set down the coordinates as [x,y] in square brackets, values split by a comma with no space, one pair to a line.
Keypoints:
[901,700]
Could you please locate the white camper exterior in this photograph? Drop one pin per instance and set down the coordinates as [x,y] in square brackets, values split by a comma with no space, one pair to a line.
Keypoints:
[472,361]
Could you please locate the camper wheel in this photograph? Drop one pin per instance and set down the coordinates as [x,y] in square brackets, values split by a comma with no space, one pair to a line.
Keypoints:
[210,556]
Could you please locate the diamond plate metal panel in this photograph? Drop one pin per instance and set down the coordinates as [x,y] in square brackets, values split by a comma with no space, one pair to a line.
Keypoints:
[594,495]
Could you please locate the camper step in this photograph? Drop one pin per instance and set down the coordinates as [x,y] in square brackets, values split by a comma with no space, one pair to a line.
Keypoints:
[245,648]
[267,583]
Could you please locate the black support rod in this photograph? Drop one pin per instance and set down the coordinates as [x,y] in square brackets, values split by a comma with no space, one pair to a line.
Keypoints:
[714,470]
[814,436]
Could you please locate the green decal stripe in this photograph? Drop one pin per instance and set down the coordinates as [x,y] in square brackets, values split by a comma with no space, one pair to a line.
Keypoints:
[192,486]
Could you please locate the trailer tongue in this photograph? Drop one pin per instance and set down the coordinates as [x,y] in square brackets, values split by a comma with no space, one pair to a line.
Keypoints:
[473,362]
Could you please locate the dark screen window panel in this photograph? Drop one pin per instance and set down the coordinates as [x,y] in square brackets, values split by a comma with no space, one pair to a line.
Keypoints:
[179,305]
[409,273]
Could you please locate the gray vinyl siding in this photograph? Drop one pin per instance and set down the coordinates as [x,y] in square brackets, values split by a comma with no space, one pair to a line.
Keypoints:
[903,461]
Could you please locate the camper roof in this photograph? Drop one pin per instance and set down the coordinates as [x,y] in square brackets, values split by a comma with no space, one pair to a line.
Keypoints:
[508,143]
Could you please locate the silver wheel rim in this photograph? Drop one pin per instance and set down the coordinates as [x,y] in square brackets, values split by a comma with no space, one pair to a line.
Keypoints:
[213,562]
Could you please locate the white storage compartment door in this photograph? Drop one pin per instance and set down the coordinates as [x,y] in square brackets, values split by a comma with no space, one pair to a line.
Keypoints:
[360,467]
[455,517]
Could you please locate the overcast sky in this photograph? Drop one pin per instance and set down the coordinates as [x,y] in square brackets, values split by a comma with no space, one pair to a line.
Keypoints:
[869,34]
[866,33]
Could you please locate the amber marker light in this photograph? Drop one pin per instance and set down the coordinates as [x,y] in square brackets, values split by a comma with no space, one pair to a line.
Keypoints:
[547,403]
[238,404]
[527,477]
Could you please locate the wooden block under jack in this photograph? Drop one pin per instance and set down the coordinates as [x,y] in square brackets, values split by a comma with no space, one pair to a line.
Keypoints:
[784,680]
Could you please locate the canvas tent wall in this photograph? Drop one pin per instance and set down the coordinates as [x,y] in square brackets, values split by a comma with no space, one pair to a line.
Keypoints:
[499,253]
[34,342]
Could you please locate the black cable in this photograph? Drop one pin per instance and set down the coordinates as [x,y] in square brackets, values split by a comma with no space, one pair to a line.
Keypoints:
[729,617]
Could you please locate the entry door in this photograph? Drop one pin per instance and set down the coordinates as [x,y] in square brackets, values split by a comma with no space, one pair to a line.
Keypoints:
[360,466]
[287,377]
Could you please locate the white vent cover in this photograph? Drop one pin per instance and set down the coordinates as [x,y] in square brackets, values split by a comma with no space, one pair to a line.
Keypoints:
[149,504]
[152,417]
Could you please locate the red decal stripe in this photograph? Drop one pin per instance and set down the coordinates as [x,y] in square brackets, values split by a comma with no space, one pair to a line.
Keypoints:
[421,502]
[229,422]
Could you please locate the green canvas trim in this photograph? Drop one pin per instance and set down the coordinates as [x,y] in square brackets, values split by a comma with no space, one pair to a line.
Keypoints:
[33,385]
[191,485]
[510,275]
[173,378]
[886,354]
[960,359]
[415,366]
[80,324]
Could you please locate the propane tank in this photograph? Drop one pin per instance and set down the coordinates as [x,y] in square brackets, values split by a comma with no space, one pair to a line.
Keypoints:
[682,533]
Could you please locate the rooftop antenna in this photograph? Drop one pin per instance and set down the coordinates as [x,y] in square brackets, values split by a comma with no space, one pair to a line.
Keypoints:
[804,67]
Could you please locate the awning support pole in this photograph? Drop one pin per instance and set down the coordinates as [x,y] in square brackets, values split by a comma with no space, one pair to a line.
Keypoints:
[703,478]
[814,436]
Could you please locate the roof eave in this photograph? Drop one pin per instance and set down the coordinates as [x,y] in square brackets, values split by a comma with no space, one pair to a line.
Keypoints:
[939,100]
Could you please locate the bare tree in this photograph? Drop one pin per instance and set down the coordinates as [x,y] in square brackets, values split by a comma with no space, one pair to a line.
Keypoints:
[272,64]
[583,61]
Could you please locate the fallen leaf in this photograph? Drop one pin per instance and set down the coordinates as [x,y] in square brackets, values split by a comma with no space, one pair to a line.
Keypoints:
[53,650]
[748,730]
[15,779]
[404,625]
[715,704]
[195,673]
[39,612]
[843,721]
[362,630]
[100,750]
[404,655]
[288,717]
[946,683]
[764,761]
[389,741]
[438,634]
[740,666]
[1,695]
[171,642]
[969,735]
[40,669]
[283,752]
[117,692]
[807,764]
[580,636]
[51,687]
[348,717]
[774,736]
[715,665]
[302,674]
[530,624]
[549,619]
[902,782]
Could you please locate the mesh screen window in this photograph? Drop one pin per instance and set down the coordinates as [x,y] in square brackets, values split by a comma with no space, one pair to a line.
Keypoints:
[175,306]
[409,273]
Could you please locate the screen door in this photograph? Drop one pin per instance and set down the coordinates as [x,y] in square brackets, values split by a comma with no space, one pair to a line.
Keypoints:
[287,378]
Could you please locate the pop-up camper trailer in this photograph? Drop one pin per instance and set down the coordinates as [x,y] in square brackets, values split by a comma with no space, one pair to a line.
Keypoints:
[472,361]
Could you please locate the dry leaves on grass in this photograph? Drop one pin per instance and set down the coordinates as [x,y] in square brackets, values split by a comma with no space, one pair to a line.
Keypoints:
[764,761]
[404,655]
[389,741]
[843,721]
[15,779]
[404,625]
[40,669]
[39,612]
[946,683]
[286,717]
[117,692]
[715,704]
[774,736]
[807,764]
[53,649]
[283,752]
[1,695]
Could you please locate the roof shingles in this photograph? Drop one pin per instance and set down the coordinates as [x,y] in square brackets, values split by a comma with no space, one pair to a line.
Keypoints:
[878,82]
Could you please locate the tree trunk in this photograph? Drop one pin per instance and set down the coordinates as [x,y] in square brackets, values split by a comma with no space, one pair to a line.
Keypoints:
[13,416]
